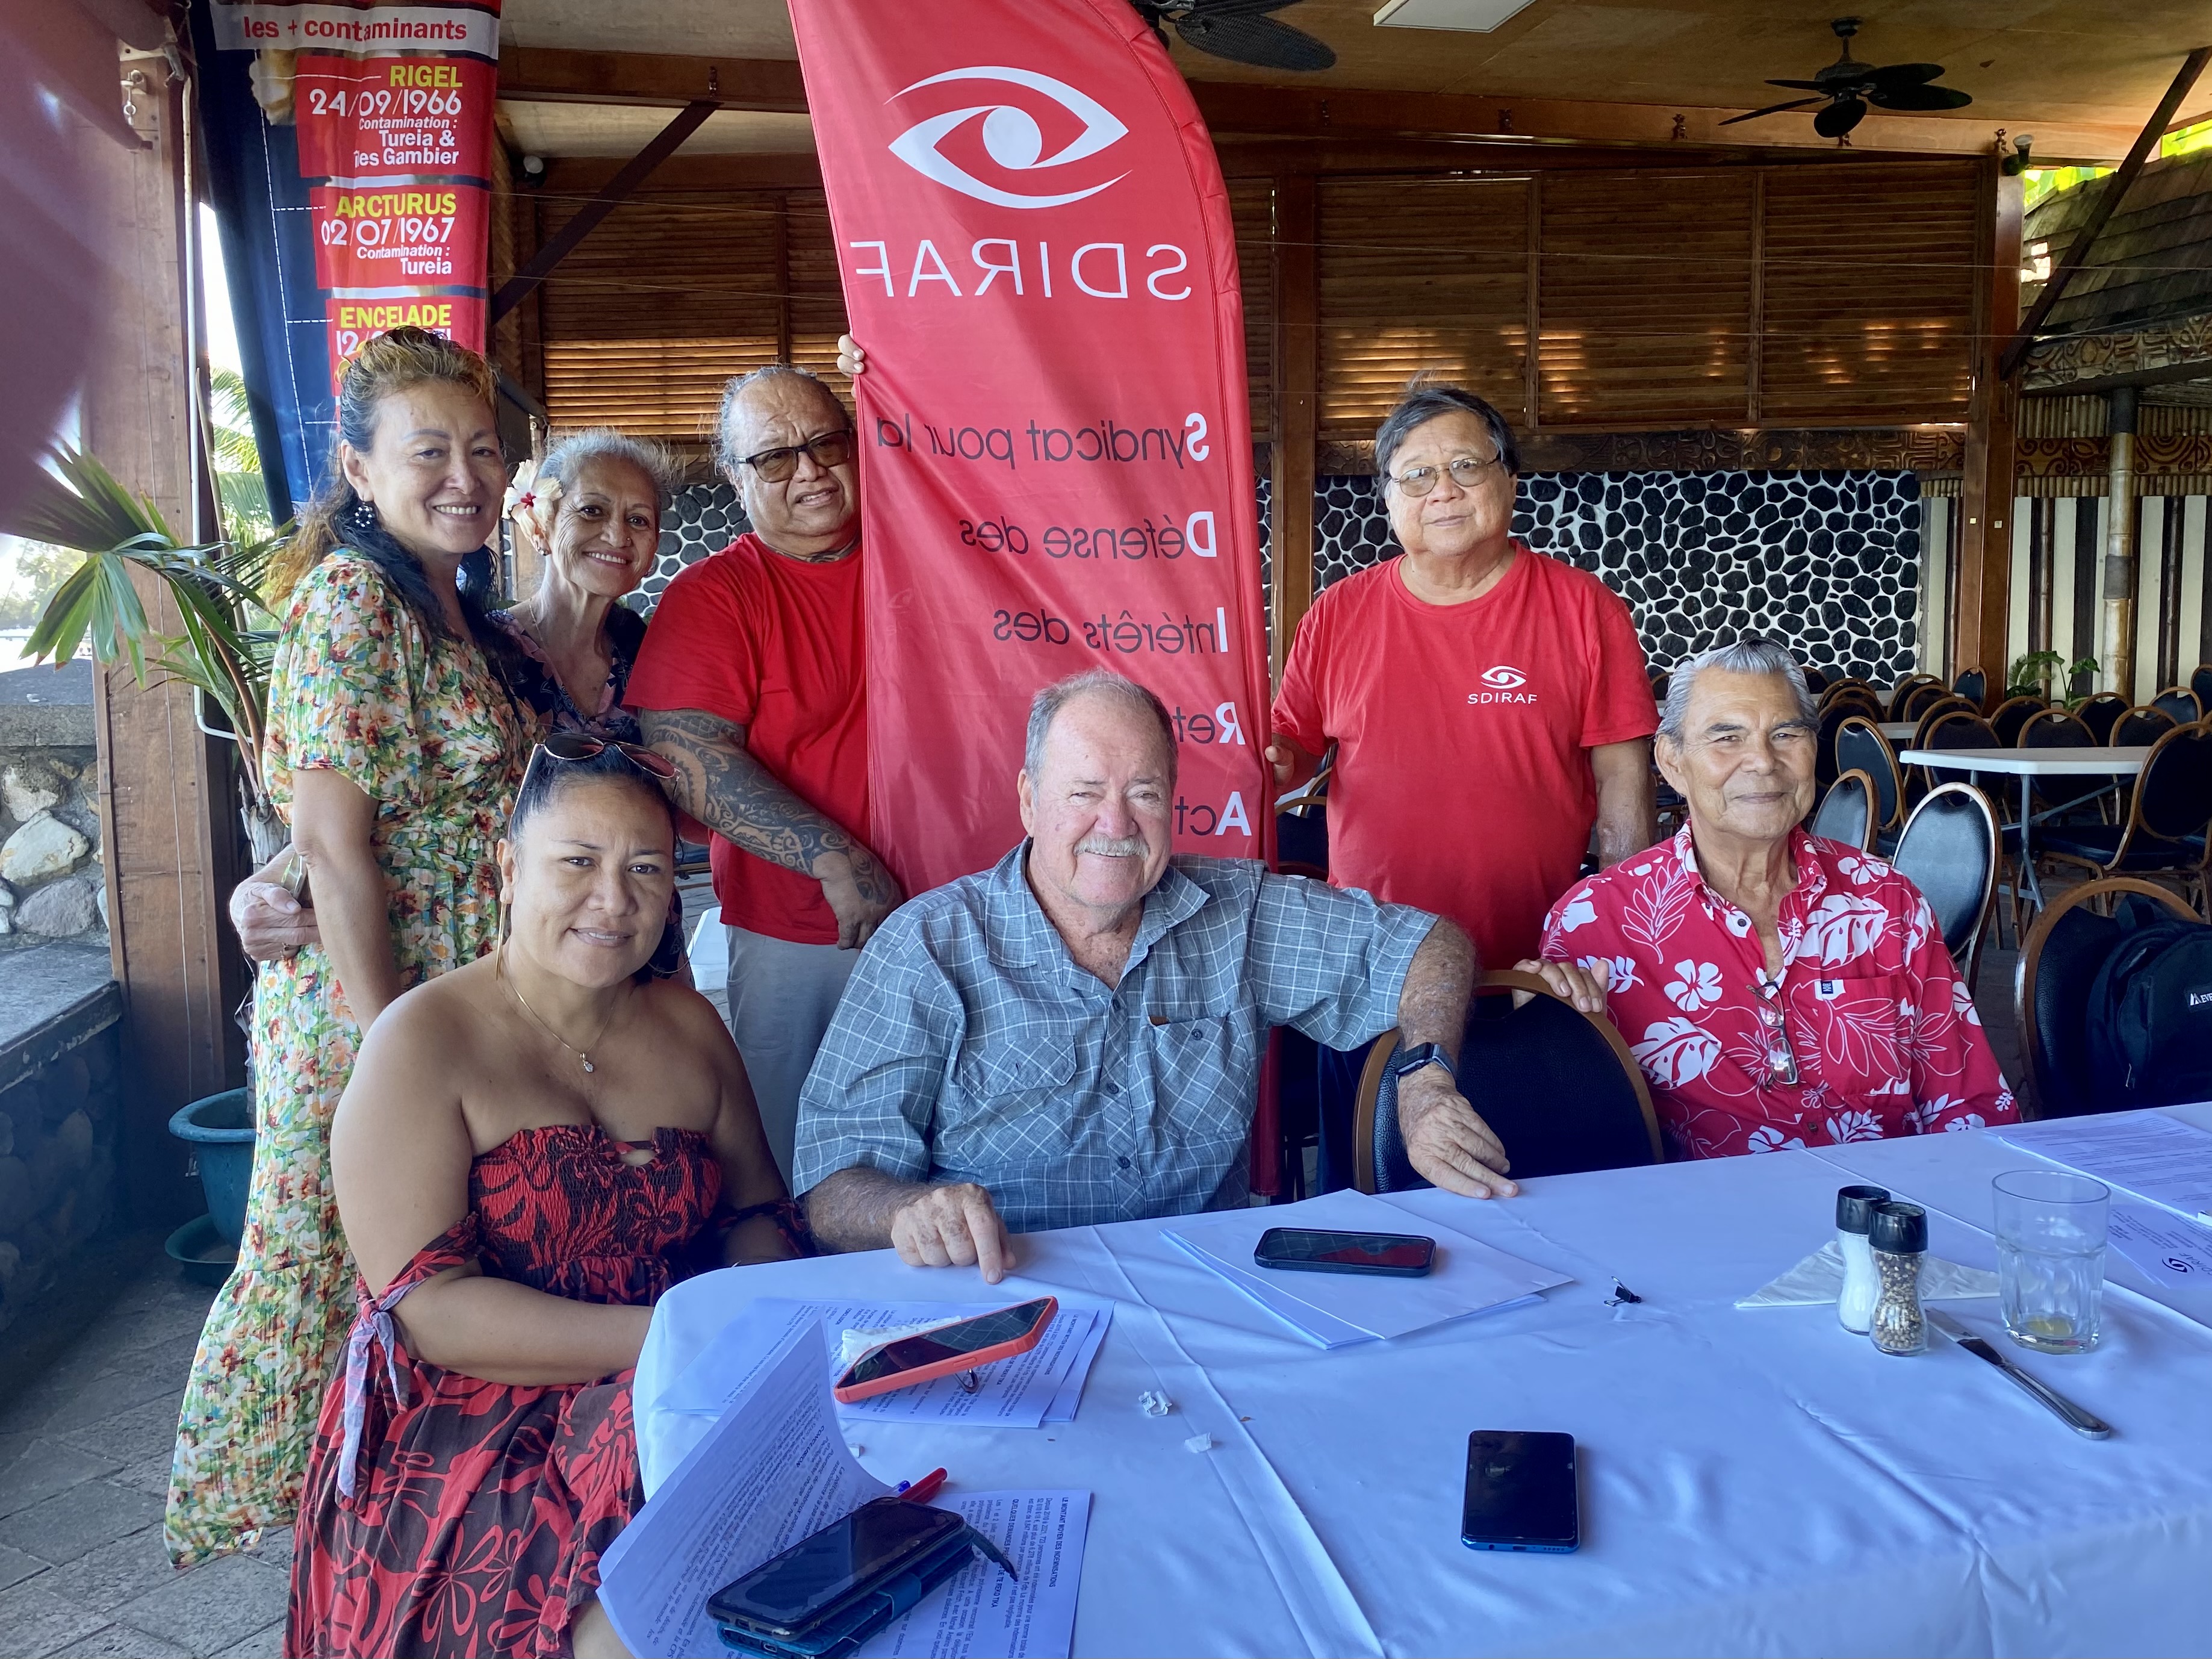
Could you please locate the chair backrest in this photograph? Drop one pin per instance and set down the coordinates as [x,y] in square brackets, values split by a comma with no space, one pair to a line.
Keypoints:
[1935,709]
[2180,701]
[1302,837]
[1558,1088]
[2055,728]
[2012,714]
[1817,680]
[1839,683]
[1860,745]
[1853,699]
[2200,681]
[1903,689]
[1921,698]
[2173,793]
[2066,947]
[1846,811]
[1824,760]
[1957,728]
[1949,851]
[2141,727]
[1973,685]
[2101,713]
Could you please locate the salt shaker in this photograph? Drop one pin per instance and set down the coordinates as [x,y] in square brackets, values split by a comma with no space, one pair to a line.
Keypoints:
[1861,1285]
[1899,1238]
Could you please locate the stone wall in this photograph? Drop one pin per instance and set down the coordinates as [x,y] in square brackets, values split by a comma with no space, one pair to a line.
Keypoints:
[59,1112]
[50,883]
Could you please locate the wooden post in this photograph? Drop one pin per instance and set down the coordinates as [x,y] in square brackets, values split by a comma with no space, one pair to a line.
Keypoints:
[2117,637]
[1984,542]
[1298,372]
[168,813]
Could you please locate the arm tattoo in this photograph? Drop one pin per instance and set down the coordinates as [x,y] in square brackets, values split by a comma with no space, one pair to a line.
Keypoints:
[852,1209]
[727,789]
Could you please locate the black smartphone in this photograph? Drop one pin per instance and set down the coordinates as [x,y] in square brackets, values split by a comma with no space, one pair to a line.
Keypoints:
[787,1592]
[1521,1492]
[1305,1251]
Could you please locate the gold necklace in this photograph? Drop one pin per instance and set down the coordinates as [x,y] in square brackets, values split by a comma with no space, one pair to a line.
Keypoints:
[583,1055]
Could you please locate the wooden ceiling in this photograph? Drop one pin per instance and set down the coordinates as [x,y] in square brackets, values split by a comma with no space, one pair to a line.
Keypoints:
[2082,75]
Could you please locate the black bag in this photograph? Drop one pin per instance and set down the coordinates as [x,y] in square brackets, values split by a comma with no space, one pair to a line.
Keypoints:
[2149,1032]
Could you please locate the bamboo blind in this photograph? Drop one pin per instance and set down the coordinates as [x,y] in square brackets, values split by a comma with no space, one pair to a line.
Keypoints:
[1252,211]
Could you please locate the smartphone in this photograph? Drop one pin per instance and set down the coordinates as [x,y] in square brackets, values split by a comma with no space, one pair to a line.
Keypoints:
[959,1346]
[1296,1249]
[1521,1492]
[786,1593]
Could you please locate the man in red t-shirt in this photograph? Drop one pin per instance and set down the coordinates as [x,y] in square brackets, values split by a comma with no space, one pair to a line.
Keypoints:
[751,680]
[1488,705]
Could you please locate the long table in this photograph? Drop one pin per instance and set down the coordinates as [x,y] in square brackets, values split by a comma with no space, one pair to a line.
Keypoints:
[2027,765]
[1753,1481]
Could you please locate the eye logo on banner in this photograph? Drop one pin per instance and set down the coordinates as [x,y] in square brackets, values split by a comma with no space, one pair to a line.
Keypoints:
[1011,137]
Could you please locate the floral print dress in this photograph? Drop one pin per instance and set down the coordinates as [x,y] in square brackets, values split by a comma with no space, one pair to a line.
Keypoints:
[425,728]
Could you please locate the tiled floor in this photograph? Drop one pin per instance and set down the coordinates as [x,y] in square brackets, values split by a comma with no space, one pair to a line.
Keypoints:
[90,1380]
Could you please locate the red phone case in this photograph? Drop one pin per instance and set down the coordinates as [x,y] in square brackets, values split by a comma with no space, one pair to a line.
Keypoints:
[967,1362]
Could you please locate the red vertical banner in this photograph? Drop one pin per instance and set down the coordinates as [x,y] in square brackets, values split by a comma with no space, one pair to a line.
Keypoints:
[1036,249]
[393,100]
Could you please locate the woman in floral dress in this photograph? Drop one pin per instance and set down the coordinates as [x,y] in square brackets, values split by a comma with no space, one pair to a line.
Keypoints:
[394,748]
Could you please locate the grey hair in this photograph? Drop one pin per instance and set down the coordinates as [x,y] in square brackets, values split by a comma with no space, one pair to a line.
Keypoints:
[1045,707]
[570,452]
[1755,653]
[725,454]
[1422,401]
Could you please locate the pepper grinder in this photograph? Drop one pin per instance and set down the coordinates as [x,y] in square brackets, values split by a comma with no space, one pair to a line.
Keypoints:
[1861,1285]
[1899,1238]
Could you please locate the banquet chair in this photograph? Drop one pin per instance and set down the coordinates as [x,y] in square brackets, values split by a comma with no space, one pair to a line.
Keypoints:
[2055,728]
[1817,680]
[1937,710]
[1973,685]
[1301,825]
[2180,701]
[2066,947]
[2142,726]
[1861,746]
[1560,1090]
[2010,716]
[1917,701]
[1894,710]
[1845,685]
[1949,850]
[2200,681]
[1845,813]
[2101,713]
[2165,830]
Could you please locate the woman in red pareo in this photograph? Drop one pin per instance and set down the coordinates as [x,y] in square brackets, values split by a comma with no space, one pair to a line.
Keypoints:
[531,1150]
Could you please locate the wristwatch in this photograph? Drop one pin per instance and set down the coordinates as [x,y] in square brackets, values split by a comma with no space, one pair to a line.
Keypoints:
[1407,1061]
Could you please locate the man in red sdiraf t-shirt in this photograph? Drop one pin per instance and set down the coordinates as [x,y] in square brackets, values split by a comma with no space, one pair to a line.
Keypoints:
[1489,705]
[751,680]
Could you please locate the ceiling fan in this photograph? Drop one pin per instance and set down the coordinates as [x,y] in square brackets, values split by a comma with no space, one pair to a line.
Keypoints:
[1846,87]
[1238,30]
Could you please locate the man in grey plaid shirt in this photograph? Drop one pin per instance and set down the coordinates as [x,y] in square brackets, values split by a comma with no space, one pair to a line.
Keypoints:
[1074,1036]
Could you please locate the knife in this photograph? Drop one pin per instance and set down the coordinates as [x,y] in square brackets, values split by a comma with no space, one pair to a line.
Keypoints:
[2065,1410]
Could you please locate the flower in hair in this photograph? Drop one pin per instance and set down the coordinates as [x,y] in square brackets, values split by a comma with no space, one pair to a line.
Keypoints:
[531,500]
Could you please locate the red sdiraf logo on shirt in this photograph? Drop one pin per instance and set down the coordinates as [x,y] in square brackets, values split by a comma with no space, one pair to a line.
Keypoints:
[1502,684]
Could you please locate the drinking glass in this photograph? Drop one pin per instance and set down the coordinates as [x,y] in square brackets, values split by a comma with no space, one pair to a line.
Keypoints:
[2050,1258]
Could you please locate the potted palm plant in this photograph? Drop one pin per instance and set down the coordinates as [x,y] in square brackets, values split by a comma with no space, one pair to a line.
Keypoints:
[228,633]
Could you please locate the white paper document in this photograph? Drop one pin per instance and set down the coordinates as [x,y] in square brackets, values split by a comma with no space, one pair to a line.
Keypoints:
[2148,1153]
[1042,1386]
[1818,1280]
[772,1470]
[981,1614]
[2170,1249]
[1468,1277]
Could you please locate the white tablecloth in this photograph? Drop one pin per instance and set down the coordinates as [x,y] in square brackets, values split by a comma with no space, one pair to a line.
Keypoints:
[1753,1480]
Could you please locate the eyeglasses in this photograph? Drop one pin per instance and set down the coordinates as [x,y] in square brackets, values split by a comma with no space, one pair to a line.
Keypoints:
[581,746]
[775,466]
[1781,1058]
[1465,472]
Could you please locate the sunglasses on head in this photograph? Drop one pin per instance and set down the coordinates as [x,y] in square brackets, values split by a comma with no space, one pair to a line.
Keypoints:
[581,746]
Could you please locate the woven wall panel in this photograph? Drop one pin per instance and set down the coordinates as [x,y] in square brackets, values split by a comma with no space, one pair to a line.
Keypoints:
[1421,274]
[1644,296]
[1252,211]
[1870,293]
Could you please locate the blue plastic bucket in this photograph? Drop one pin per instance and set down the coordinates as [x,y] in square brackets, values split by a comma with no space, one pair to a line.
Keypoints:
[220,1131]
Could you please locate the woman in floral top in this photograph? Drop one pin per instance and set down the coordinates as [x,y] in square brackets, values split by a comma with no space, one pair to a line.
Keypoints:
[1779,991]
[394,748]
